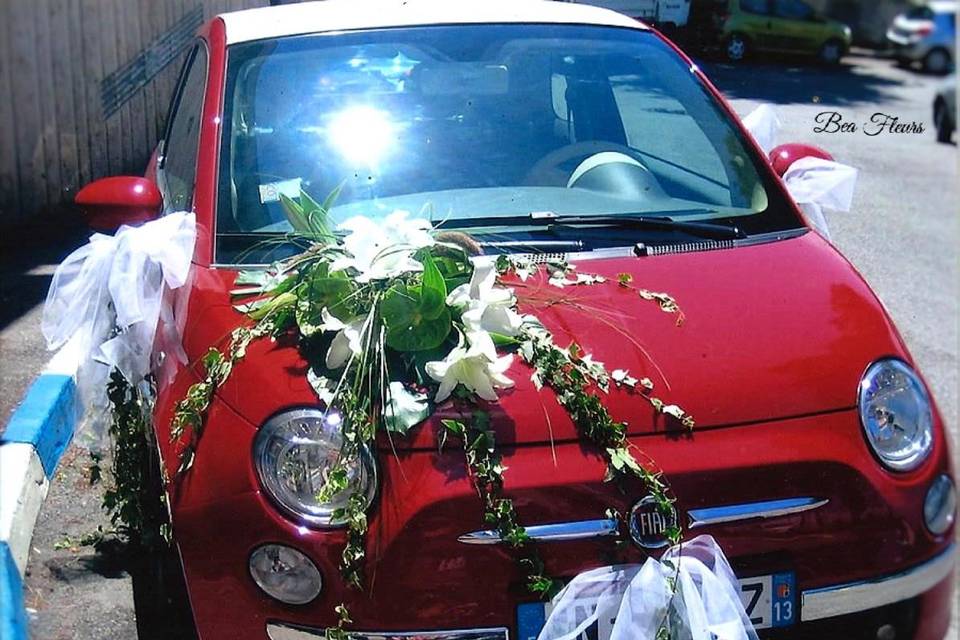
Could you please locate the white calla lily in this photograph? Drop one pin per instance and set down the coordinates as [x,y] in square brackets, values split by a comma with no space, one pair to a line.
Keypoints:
[330,322]
[383,249]
[485,306]
[346,343]
[477,367]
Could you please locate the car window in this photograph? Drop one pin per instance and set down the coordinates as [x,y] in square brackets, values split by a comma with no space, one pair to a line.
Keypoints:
[179,166]
[792,10]
[755,6]
[479,121]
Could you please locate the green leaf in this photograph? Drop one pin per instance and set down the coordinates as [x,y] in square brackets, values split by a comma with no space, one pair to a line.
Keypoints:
[399,306]
[332,197]
[315,217]
[404,409]
[501,340]
[252,277]
[420,335]
[273,304]
[433,290]
[294,214]
[330,291]
[409,328]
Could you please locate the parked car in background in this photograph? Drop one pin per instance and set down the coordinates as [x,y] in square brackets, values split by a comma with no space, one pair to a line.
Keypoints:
[927,35]
[945,109]
[788,26]
[669,14]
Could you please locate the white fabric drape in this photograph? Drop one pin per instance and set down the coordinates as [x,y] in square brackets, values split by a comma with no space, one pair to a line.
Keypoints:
[814,184]
[632,601]
[107,298]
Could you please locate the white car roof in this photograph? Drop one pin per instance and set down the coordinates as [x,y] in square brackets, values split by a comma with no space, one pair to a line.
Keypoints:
[944,6]
[343,15]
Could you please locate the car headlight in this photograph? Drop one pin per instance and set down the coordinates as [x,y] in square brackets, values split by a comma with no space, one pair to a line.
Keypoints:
[896,414]
[293,454]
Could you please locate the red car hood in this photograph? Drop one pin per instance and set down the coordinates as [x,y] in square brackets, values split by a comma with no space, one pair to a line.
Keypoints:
[771,331]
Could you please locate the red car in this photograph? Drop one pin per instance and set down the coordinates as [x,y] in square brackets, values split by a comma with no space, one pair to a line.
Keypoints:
[819,461]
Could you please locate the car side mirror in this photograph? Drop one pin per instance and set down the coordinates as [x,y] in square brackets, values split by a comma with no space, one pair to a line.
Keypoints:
[786,154]
[109,203]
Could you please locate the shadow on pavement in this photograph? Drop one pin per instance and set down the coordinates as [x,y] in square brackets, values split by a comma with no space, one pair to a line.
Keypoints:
[789,80]
[28,250]
[160,598]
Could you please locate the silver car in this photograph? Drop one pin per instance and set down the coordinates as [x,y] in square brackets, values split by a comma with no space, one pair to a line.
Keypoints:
[926,34]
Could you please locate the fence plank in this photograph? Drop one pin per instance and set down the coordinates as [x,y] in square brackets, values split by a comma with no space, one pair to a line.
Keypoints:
[78,90]
[48,101]
[24,81]
[9,191]
[63,100]
[92,74]
[147,35]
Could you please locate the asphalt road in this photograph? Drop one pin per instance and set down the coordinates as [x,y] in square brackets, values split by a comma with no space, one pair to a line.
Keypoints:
[902,234]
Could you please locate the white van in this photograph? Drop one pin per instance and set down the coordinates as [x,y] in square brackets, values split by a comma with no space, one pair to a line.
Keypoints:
[673,13]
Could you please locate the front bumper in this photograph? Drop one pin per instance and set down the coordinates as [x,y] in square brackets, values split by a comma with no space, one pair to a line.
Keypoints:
[842,599]
[815,604]
[872,525]
[285,632]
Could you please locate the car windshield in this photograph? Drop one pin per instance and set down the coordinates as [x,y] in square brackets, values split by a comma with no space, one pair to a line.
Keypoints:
[491,127]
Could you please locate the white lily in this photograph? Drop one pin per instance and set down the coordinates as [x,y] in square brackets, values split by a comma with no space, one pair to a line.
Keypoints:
[486,307]
[330,322]
[473,367]
[383,249]
[347,342]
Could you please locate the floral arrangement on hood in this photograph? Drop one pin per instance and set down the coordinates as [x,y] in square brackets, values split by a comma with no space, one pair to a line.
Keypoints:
[396,318]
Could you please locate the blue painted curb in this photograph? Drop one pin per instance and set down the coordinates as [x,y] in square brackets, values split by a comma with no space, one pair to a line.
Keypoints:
[13,617]
[45,419]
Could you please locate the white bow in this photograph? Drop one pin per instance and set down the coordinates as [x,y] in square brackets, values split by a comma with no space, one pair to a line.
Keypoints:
[632,601]
[814,184]
[107,297]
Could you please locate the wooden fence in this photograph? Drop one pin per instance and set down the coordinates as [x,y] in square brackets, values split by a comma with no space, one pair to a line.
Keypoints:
[84,90]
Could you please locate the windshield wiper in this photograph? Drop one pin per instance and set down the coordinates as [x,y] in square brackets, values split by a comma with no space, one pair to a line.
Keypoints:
[709,230]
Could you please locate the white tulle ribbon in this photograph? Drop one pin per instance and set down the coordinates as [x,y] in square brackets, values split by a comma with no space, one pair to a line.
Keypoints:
[107,298]
[817,184]
[814,184]
[764,125]
[632,601]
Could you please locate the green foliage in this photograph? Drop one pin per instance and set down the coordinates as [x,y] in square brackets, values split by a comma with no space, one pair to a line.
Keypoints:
[570,374]
[398,324]
[339,632]
[308,217]
[354,515]
[416,316]
[190,412]
[137,509]
[486,470]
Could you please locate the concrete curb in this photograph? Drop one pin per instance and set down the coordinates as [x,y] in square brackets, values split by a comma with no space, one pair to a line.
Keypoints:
[30,450]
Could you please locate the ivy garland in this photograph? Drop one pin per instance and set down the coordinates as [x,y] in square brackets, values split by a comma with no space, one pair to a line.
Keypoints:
[137,510]
[408,308]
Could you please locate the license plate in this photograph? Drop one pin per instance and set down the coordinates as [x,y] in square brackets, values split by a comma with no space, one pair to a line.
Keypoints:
[769,601]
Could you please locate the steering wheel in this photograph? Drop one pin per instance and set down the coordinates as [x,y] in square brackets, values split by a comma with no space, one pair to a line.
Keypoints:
[547,172]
